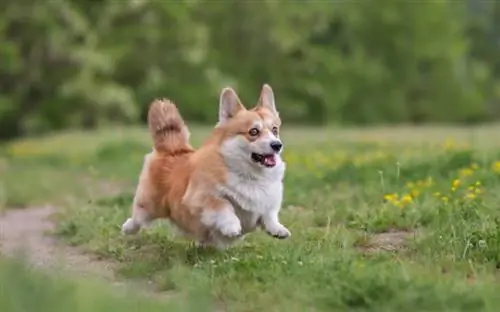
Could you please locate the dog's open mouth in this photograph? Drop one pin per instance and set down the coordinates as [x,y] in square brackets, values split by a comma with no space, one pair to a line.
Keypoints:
[267,160]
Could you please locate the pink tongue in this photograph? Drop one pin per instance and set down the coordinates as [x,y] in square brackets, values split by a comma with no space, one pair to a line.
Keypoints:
[269,160]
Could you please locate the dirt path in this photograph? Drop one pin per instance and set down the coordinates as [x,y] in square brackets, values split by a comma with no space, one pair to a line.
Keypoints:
[28,231]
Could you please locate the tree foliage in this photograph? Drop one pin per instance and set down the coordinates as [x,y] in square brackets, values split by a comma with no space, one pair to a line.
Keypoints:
[71,63]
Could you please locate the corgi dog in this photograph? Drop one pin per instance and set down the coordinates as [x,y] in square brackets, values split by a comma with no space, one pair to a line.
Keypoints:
[229,187]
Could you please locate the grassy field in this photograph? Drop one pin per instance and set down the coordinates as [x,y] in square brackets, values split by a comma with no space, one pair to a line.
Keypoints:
[382,219]
[27,290]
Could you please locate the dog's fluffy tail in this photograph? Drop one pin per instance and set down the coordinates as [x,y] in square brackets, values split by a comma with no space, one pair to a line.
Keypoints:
[167,128]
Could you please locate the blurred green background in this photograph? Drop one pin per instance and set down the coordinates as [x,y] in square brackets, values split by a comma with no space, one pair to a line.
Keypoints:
[83,64]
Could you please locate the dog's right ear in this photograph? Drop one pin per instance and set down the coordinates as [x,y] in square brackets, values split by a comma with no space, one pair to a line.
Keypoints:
[229,104]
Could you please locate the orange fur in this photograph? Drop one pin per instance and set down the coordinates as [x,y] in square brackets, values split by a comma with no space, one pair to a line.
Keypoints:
[179,183]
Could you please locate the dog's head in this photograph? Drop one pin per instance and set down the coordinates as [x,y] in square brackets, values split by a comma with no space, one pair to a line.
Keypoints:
[250,135]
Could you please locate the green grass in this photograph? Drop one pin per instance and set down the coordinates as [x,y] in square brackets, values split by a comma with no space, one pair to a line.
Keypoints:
[24,290]
[340,204]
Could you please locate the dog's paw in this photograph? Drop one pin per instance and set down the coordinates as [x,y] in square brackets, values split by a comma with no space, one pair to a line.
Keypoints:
[279,231]
[231,229]
[130,227]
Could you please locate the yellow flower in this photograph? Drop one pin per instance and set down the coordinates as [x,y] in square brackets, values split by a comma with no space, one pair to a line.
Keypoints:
[406,199]
[449,144]
[455,184]
[495,167]
[470,196]
[24,149]
[425,183]
[445,199]
[466,172]
[391,197]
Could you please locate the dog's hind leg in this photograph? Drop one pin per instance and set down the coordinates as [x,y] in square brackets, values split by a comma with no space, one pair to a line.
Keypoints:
[143,204]
[141,217]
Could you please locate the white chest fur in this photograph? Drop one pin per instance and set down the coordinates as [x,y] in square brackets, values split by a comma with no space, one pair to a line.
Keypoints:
[253,190]
[254,194]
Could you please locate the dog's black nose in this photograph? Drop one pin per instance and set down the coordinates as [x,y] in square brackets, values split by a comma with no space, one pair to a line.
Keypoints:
[276,146]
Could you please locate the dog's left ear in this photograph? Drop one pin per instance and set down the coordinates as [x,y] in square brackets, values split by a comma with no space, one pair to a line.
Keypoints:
[266,99]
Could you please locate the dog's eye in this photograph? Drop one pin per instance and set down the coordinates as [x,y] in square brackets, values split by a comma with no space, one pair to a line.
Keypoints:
[275,130]
[254,132]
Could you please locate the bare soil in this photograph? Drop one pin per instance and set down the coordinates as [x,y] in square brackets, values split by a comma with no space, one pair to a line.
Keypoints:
[29,232]
[390,241]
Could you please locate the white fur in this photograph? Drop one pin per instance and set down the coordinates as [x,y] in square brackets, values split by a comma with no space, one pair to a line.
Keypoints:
[140,216]
[130,227]
[223,220]
[255,192]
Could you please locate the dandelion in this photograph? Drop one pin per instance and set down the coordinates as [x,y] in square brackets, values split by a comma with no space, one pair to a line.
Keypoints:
[455,184]
[449,144]
[428,182]
[464,172]
[410,185]
[394,200]
[495,166]
[475,189]
[406,199]
[416,188]
[415,193]
[391,197]
[24,149]
[470,196]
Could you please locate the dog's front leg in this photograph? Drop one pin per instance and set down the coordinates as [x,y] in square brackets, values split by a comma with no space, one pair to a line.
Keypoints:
[269,221]
[220,216]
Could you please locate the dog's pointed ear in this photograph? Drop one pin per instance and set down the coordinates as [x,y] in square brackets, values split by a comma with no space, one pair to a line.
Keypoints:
[266,99]
[229,104]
